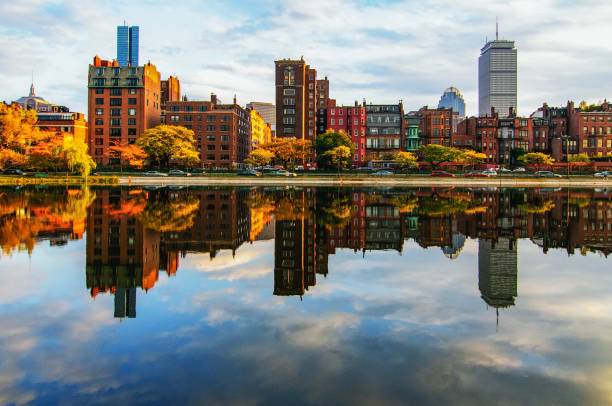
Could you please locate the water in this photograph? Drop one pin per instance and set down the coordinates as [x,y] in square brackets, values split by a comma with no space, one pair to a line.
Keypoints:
[305,296]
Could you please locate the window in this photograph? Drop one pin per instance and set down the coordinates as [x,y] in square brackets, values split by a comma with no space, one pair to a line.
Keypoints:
[99,101]
[131,91]
[188,117]
[289,101]
[115,102]
[289,92]
[115,132]
[114,82]
[288,111]
[225,157]
[210,157]
[115,112]
[211,138]
[99,91]
[132,101]
[174,119]
[99,82]
[99,121]
[289,76]
[225,128]
[115,91]
[131,131]
[210,119]
[340,122]
[115,122]
[99,131]
[131,121]
[225,138]
[211,147]
[290,120]
[99,112]
[131,112]
[132,81]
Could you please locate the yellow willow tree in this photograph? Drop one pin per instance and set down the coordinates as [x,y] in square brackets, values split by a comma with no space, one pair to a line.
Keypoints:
[169,144]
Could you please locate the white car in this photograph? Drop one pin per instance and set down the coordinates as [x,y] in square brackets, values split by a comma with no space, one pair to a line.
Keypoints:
[489,173]
[520,170]
[603,174]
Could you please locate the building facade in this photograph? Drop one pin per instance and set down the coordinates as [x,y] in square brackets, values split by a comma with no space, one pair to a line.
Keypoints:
[436,126]
[497,78]
[261,132]
[267,111]
[127,45]
[351,120]
[222,131]
[453,99]
[322,101]
[170,91]
[412,124]
[384,130]
[122,103]
[64,123]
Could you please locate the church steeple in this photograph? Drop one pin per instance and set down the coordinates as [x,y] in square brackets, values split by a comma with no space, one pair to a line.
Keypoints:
[32,93]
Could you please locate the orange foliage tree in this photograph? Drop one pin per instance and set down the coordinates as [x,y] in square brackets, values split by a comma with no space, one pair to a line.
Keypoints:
[131,154]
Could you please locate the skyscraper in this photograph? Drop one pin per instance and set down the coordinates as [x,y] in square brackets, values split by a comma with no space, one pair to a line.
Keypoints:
[453,99]
[497,77]
[127,45]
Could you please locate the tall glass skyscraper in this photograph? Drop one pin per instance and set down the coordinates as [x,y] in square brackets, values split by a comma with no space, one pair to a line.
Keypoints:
[453,99]
[127,45]
[497,78]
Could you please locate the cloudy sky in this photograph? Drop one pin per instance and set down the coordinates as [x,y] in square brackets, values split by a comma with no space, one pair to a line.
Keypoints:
[381,50]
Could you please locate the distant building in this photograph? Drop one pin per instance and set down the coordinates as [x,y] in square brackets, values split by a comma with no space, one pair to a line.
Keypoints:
[267,111]
[122,103]
[453,99]
[412,124]
[223,131]
[54,118]
[436,126]
[127,45]
[322,101]
[497,78]
[260,130]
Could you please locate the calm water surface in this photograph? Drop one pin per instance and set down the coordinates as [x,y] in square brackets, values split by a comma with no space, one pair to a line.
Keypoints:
[305,296]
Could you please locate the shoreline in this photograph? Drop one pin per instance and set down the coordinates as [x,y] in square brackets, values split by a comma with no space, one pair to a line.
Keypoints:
[366,181]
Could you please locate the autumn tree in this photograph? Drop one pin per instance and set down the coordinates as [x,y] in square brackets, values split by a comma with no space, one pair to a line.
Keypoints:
[259,157]
[472,158]
[338,157]
[77,158]
[18,129]
[328,141]
[405,160]
[288,150]
[579,158]
[167,144]
[131,154]
[436,155]
[537,159]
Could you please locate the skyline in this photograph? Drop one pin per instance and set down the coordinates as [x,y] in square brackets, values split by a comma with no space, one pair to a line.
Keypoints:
[413,58]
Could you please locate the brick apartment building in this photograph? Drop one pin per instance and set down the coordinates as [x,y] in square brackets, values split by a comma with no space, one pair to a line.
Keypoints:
[351,120]
[122,103]
[436,126]
[322,101]
[296,99]
[64,122]
[222,131]
[591,128]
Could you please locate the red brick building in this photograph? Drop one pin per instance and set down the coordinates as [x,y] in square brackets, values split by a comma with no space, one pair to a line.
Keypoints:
[223,131]
[591,128]
[352,120]
[436,126]
[483,132]
[321,104]
[122,103]
[64,122]
[170,91]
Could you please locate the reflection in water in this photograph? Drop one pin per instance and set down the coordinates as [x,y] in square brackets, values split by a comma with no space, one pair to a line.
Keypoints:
[379,312]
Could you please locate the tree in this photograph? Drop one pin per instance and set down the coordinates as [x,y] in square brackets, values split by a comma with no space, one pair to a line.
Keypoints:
[168,144]
[131,154]
[338,157]
[47,155]
[436,154]
[579,158]
[259,157]
[327,142]
[537,159]
[472,157]
[406,160]
[288,150]
[10,158]
[18,129]
[77,159]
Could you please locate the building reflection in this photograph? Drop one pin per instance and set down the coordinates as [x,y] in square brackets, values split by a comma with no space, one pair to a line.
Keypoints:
[134,235]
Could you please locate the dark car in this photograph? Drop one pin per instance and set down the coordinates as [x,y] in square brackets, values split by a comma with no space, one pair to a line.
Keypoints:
[249,172]
[442,174]
[14,172]
[155,173]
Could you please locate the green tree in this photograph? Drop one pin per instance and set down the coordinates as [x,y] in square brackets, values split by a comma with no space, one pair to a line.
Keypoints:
[259,157]
[168,144]
[327,142]
[406,160]
[436,154]
[338,157]
[537,159]
[76,156]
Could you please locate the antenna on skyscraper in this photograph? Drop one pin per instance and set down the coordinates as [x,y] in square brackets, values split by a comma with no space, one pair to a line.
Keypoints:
[496,29]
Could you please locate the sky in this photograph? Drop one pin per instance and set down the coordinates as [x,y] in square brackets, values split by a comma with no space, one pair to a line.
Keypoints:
[380,50]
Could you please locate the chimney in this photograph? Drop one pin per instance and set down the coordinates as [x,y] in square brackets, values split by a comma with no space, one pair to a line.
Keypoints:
[234,99]
[213,99]
[356,103]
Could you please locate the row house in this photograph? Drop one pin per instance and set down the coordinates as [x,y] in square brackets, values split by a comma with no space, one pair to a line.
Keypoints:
[222,131]
[436,126]
[384,130]
[351,120]
[482,131]
[591,128]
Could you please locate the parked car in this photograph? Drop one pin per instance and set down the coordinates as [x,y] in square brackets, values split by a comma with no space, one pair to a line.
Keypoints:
[475,174]
[249,172]
[382,173]
[603,174]
[178,172]
[442,174]
[489,173]
[14,172]
[282,172]
[520,170]
[505,170]
[299,168]
[155,173]
[547,174]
